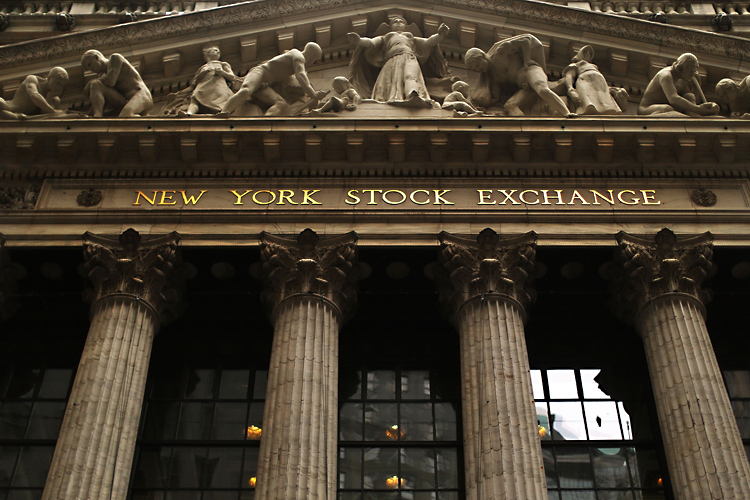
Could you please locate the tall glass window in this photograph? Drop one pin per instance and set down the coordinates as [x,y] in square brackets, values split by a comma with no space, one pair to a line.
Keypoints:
[738,385]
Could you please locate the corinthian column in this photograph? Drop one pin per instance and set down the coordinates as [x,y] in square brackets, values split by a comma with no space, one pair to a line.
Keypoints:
[309,289]
[486,292]
[95,447]
[704,450]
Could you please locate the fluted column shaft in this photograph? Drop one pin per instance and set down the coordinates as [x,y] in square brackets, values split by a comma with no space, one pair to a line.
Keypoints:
[501,444]
[485,287]
[298,450]
[94,452]
[309,288]
[705,454]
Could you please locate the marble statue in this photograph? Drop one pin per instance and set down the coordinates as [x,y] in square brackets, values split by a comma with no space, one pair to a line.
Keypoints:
[118,85]
[517,62]
[209,90]
[736,96]
[349,99]
[285,69]
[587,89]
[675,91]
[459,102]
[387,67]
[36,96]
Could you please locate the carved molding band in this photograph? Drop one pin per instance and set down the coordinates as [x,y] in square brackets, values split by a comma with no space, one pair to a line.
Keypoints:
[308,266]
[487,266]
[131,266]
[666,265]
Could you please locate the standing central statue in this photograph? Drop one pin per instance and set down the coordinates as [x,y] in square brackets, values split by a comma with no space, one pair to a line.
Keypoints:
[397,51]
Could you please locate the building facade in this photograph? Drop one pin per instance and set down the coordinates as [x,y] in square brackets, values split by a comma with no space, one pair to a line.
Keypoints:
[388,299]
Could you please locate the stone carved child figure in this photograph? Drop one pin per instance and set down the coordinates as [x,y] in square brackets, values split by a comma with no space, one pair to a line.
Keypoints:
[458,101]
[118,84]
[349,99]
[736,95]
[36,96]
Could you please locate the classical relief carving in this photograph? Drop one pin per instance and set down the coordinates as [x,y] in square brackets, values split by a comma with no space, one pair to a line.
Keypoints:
[736,96]
[703,197]
[118,86]
[349,98]
[663,266]
[89,197]
[516,63]
[4,21]
[18,197]
[587,88]
[65,22]
[36,96]
[309,265]
[675,91]
[458,100]
[489,265]
[386,68]
[130,265]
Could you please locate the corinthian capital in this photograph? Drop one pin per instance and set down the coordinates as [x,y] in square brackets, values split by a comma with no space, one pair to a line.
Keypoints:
[309,265]
[663,266]
[487,266]
[131,266]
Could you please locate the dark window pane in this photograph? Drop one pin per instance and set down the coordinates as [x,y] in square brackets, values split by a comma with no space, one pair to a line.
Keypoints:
[348,495]
[350,468]
[553,495]
[549,467]
[259,385]
[447,467]
[161,420]
[55,383]
[418,495]
[183,495]
[45,420]
[148,495]
[234,384]
[381,384]
[380,464]
[8,457]
[610,467]
[169,385]
[200,384]
[415,384]
[448,495]
[22,383]
[247,495]
[25,494]
[350,384]
[380,495]
[742,414]
[416,421]
[445,422]
[418,468]
[152,468]
[615,495]
[738,383]
[229,421]
[3,493]
[220,495]
[574,467]
[195,421]
[251,467]
[188,468]
[542,420]
[577,495]
[33,466]
[380,419]
[14,417]
[350,422]
[644,468]
[224,468]
[255,421]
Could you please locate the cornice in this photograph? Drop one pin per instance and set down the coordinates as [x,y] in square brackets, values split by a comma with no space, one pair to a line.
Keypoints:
[155,30]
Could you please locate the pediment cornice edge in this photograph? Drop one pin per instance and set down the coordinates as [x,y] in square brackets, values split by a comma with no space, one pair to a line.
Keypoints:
[118,37]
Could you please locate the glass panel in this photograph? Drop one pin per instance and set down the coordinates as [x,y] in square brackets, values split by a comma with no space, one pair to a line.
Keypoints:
[738,383]
[445,422]
[188,468]
[447,467]
[183,495]
[8,456]
[350,422]
[590,386]
[169,384]
[562,384]
[229,421]
[415,384]
[234,384]
[574,467]
[195,421]
[350,384]
[616,495]
[567,420]
[255,421]
[577,495]
[251,467]
[742,414]
[542,420]
[25,494]
[553,495]
[601,419]
[379,421]
[627,427]
[448,495]
[610,467]
[381,384]
[536,385]
[200,384]
[45,420]
[418,468]
[33,466]
[380,495]
[416,422]
[350,495]
[161,421]
[350,468]
[418,495]
[549,467]
[259,384]
[219,495]
[224,468]
[380,464]
[14,416]
[55,384]
[22,383]
[644,468]
[152,468]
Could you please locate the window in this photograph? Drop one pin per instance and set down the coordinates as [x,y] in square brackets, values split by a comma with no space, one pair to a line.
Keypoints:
[738,386]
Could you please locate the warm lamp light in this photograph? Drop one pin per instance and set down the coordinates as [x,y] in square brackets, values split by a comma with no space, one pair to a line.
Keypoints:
[251,482]
[253,433]
[394,482]
[394,433]
[542,431]
[659,482]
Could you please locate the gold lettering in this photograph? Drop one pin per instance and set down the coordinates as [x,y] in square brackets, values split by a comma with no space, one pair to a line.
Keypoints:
[634,200]
[576,194]
[307,200]
[138,199]
[547,197]
[610,200]
[191,200]
[411,197]
[647,197]
[439,193]
[164,198]
[372,195]
[485,194]
[286,194]
[523,199]
[255,197]
[353,195]
[508,197]
[239,196]
[403,197]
